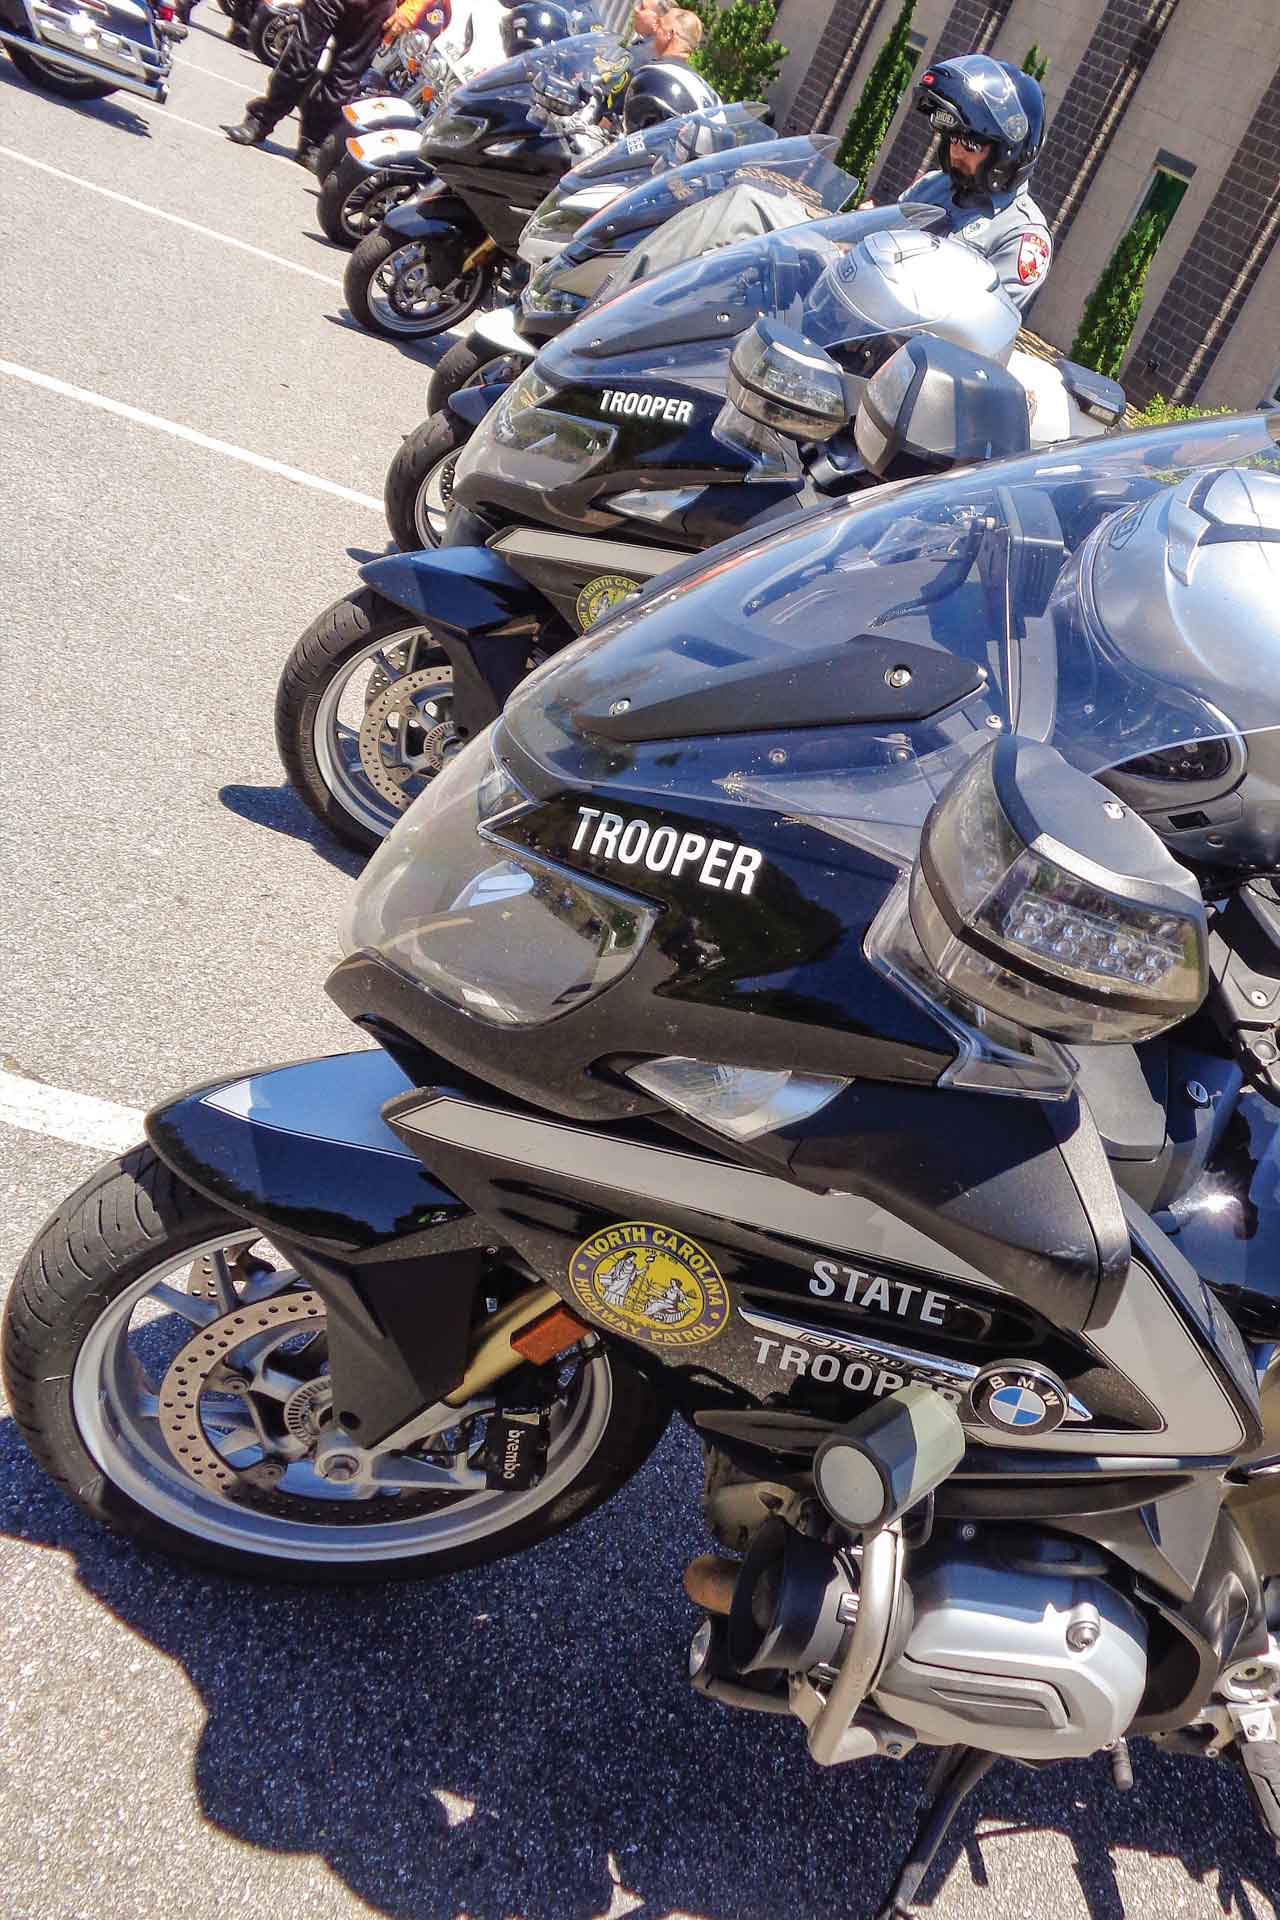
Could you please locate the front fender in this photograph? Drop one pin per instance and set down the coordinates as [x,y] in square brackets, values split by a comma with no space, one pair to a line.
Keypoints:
[379,111]
[471,404]
[428,215]
[302,1154]
[387,150]
[303,1151]
[463,590]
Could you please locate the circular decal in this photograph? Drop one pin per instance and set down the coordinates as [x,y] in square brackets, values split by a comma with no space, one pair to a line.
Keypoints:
[602,595]
[1019,1397]
[650,1283]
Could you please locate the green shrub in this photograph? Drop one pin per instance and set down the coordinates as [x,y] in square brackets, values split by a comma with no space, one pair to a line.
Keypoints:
[1111,312]
[1160,412]
[736,56]
[869,122]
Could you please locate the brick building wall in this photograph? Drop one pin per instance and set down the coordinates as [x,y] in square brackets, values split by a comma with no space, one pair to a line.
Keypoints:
[1219,269]
[837,54]
[971,27]
[1115,60]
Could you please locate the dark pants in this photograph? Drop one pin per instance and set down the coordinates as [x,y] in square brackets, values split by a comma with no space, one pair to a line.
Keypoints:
[356,27]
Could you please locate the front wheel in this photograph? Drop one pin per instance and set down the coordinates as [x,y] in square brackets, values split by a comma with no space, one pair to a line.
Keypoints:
[471,363]
[53,77]
[169,1370]
[419,483]
[364,716]
[353,202]
[410,288]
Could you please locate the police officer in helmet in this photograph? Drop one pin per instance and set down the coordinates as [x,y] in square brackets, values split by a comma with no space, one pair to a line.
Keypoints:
[989,118]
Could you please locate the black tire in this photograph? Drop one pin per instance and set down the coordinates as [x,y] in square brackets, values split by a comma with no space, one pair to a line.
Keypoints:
[265,31]
[370,256]
[124,1222]
[353,201]
[50,78]
[343,631]
[332,149]
[459,367]
[419,454]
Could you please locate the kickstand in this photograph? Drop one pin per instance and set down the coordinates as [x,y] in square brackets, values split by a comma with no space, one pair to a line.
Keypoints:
[955,1775]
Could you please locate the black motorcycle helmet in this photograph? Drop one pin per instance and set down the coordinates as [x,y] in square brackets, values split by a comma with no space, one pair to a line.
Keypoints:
[527,27]
[665,90]
[989,100]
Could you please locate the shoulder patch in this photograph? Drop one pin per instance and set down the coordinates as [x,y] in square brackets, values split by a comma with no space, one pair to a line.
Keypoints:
[1033,258]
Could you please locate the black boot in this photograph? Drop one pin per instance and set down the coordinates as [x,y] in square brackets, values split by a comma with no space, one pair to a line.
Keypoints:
[308,155]
[249,133]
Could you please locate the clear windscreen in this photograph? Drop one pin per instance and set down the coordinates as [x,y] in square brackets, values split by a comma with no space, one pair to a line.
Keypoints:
[1017,568]
[573,58]
[803,168]
[672,142]
[773,274]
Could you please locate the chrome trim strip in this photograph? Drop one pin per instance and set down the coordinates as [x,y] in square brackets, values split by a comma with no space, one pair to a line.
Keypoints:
[958,1370]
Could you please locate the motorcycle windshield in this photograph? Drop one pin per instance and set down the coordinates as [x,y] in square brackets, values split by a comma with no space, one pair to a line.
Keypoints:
[720,293]
[672,142]
[1050,593]
[576,57]
[804,168]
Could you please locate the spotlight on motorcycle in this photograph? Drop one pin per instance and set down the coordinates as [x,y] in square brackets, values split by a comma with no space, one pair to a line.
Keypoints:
[889,1459]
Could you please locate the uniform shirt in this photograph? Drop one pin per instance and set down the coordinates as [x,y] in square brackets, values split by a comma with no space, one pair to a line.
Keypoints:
[1007,228]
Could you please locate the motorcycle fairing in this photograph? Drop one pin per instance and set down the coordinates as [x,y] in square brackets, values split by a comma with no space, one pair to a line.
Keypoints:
[1147,1378]
[472,403]
[300,1153]
[427,215]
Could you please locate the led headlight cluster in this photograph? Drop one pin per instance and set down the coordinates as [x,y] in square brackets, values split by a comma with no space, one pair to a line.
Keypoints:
[1040,897]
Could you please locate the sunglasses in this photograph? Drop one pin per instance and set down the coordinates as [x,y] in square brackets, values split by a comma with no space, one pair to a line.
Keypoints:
[969,142]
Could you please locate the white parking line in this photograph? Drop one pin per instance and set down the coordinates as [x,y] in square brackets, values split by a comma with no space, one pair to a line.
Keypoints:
[189,66]
[162,213]
[179,432]
[79,1118]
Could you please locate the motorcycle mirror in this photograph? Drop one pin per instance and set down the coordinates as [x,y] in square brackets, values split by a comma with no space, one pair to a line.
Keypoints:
[934,405]
[782,380]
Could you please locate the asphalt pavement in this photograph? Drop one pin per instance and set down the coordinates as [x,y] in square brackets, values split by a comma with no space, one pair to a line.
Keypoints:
[519,1741]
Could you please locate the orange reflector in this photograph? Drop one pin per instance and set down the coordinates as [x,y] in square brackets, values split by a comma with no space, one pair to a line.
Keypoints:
[350,115]
[549,1335]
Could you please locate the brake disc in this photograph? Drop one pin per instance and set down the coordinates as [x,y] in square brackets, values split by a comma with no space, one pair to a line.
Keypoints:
[387,721]
[194,1371]
[207,1364]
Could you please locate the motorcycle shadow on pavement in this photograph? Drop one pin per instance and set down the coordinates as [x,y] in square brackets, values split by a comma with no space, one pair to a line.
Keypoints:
[110,113]
[280,810]
[522,1740]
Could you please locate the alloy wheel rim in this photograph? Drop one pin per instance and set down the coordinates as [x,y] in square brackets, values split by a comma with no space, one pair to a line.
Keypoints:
[392,294]
[115,1403]
[342,712]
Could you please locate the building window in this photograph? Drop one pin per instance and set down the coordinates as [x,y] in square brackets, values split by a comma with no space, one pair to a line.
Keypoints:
[1163,194]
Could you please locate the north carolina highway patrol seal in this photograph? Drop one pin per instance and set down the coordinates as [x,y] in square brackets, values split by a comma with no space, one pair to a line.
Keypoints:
[602,595]
[650,1283]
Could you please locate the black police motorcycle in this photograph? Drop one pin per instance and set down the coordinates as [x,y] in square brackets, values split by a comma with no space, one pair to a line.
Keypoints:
[633,440]
[494,155]
[836,1001]
[757,188]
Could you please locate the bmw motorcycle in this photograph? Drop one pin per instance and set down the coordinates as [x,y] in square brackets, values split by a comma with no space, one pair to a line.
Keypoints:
[777,185]
[492,157]
[668,423]
[835,1003]
[85,54]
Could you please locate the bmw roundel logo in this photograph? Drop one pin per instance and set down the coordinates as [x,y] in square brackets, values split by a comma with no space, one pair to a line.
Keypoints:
[1020,1397]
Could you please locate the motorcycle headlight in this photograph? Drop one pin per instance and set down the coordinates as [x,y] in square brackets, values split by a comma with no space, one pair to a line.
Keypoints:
[482,925]
[1040,897]
[543,296]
